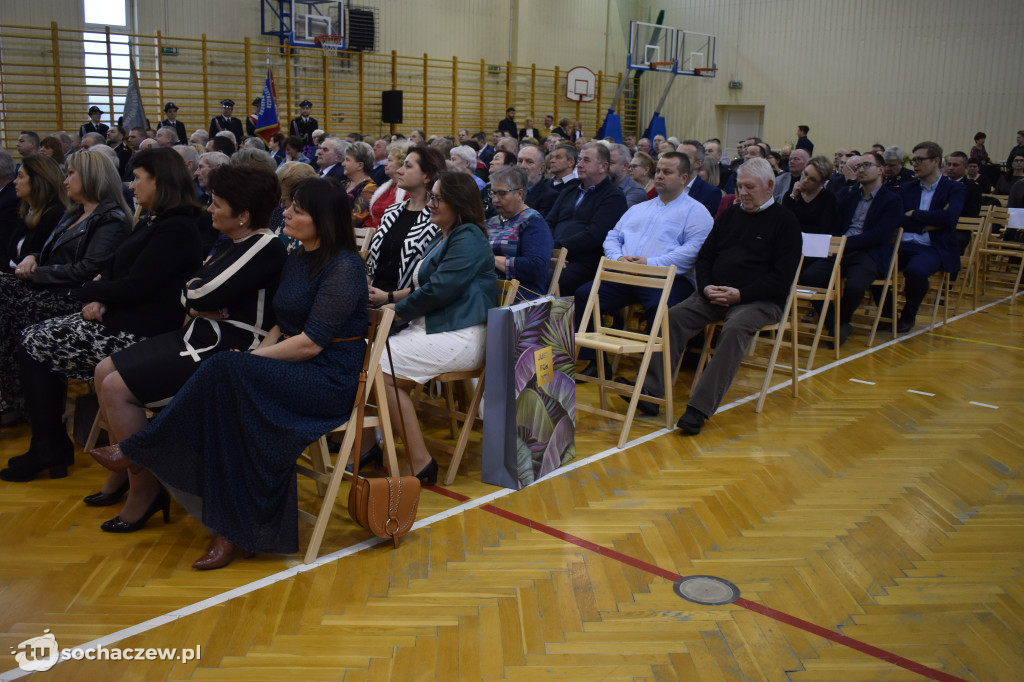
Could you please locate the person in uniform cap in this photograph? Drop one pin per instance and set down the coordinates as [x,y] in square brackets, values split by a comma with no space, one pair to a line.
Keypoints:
[171,121]
[250,120]
[93,126]
[226,121]
[303,125]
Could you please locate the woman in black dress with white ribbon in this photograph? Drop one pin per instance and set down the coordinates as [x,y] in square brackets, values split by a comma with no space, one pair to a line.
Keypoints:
[229,309]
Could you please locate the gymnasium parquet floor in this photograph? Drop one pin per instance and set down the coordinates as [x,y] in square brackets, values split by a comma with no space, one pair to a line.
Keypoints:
[874,527]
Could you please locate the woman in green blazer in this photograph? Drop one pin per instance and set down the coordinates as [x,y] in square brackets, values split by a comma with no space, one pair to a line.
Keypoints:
[453,287]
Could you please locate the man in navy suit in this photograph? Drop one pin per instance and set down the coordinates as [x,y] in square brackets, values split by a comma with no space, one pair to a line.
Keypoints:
[705,193]
[932,205]
[869,220]
[540,195]
[329,156]
[582,216]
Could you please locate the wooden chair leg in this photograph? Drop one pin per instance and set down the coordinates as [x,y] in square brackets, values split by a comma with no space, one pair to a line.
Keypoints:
[467,428]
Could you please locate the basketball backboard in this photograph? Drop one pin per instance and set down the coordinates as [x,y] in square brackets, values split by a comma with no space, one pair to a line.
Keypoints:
[301,21]
[650,45]
[695,53]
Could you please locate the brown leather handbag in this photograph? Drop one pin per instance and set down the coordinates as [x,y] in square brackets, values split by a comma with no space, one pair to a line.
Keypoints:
[384,506]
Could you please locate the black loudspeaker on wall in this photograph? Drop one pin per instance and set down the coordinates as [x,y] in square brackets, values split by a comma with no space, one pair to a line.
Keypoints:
[391,106]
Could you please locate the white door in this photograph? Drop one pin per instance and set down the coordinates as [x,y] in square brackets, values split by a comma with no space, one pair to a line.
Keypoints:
[741,123]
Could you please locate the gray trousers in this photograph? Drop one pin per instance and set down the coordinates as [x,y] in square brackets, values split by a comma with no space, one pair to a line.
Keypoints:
[686,320]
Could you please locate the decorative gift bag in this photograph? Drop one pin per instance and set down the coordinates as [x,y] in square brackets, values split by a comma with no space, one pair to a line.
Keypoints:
[530,391]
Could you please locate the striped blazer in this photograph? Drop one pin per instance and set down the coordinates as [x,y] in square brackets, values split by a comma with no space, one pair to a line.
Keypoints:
[422,232]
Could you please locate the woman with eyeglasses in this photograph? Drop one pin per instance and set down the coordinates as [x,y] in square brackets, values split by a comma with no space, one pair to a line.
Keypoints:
[642,169]
[815,208]
[455,286]
[500,159]
[522,242]
[405,228]
[1015,173]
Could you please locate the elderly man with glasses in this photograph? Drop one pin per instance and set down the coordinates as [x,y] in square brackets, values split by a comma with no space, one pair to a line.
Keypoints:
[932,205]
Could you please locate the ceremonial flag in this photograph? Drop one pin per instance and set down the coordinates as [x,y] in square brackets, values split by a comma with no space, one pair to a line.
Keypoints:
[267,124]
[133,114]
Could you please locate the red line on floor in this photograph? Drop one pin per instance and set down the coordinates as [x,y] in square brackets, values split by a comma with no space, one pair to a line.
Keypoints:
[775,614]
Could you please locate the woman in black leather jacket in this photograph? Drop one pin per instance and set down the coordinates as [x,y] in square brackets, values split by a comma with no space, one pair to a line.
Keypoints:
[82,244]
[138,296]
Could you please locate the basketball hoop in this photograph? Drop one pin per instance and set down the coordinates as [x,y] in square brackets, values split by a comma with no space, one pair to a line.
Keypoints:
[707,72]
[330,43]
[662,66]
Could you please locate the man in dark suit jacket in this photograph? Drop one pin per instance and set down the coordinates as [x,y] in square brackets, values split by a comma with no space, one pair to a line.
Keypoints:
[226,121]
[115,140]
[956,170]
[540,195]
[94,125]
[303,125]
[804,142]
[329,156]
[583,215]
[486,152]
[869,220]
[171,121]
[932,205]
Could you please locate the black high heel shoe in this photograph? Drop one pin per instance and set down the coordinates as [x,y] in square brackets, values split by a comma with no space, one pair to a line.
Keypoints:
[374,456]
[428,474]
[102,499]
[161,502]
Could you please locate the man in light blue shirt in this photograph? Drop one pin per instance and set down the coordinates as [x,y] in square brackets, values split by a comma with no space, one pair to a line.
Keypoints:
[667,230]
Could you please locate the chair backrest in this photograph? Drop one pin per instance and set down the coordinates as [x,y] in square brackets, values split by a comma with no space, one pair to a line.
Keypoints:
[630,274]
[507,290]
[975,227]
[897,240]
[820,245]
[558,257]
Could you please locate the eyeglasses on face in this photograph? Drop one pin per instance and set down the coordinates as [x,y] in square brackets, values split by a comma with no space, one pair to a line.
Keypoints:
[914,160]
[433,199]
[864,166]
[501,193]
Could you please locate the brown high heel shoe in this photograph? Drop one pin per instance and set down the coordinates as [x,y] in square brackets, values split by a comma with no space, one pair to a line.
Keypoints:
[220,554]
[112,458]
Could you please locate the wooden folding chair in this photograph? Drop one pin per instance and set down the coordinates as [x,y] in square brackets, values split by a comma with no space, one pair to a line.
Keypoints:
[558,257]
[316,463]
[788,322]
[619,341]
[977,229]
[821,246]
[999,262]
[889,290]
[507,290]
[363,237]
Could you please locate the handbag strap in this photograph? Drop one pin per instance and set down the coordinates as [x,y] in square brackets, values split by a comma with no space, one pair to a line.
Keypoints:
[398,403]
[361,400]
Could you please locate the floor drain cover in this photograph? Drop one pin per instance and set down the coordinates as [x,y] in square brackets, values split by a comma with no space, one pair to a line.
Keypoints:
[707,590]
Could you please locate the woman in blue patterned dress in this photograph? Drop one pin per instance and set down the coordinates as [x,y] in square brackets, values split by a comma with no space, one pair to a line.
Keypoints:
[226,446]
[521,240]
